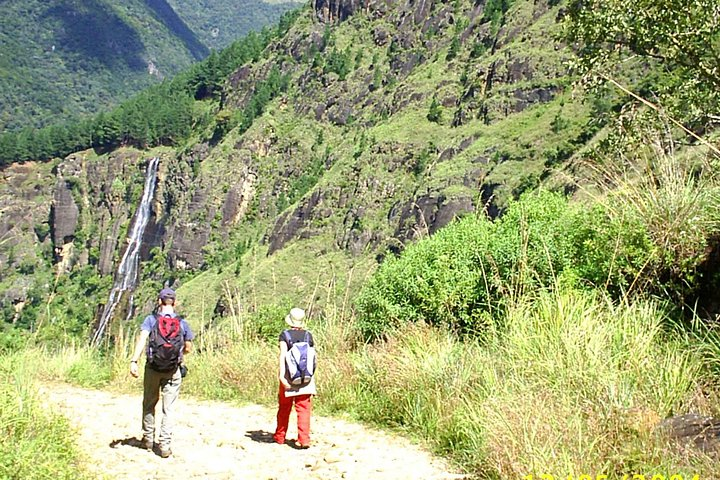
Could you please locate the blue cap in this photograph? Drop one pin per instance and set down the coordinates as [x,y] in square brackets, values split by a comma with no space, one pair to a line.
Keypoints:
[167,293]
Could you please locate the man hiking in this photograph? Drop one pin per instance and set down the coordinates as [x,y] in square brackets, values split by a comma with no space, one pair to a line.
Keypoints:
[168,337]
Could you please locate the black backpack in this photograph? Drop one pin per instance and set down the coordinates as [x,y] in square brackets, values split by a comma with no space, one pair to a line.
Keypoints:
[166,343]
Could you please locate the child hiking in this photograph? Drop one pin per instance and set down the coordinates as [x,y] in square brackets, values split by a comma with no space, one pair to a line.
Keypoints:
[297,379]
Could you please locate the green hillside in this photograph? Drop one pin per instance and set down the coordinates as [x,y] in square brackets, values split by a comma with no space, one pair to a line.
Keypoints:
[350,139]
[67,59]
[502,218]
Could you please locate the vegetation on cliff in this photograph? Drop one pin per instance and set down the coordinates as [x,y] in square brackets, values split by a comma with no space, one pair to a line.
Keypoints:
[545,253]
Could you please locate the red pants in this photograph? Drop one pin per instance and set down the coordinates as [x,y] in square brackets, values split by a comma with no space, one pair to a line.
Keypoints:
[303,409]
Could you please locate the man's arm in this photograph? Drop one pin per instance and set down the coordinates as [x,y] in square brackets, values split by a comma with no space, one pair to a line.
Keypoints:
[139,347]
[188,336]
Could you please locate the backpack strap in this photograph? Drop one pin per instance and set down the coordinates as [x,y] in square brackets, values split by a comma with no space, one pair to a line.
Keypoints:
[288,340]
[180,324]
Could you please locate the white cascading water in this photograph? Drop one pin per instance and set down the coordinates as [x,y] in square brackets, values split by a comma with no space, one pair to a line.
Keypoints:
[127,272]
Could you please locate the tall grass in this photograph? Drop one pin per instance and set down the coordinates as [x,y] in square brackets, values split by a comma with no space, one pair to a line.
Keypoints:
[580,384]
[33,442]
[675,197]
[568,382]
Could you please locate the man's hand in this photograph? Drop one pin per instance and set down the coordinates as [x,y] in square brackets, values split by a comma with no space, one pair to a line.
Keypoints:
[285,383]
[134,369]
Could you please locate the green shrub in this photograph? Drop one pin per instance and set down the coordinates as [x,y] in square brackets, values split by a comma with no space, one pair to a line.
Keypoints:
[12,339]
[677,202]
[435,111]
[439,280]
[470,269]
[268,321]
[612,252]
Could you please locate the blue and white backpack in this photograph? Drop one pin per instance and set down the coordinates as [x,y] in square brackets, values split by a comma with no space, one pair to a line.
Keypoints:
[300,360]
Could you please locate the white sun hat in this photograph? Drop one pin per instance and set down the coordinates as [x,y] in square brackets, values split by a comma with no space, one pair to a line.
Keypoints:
[296,318]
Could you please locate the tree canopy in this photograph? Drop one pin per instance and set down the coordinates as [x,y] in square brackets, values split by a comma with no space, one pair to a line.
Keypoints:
[675,42]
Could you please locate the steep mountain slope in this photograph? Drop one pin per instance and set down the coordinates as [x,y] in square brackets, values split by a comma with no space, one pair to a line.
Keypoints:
[218,22]
[411,115]
[398,117]
[60,60]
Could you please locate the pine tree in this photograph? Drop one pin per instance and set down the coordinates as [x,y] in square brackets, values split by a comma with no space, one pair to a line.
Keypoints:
[453,49]
[435,111]
[8,148]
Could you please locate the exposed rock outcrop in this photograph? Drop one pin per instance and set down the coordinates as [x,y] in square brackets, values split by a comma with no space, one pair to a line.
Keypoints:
[238,199]
[338,10]
[24,217]
[425,215]
[693,431]
[291,225]
[64,214]
[192,234]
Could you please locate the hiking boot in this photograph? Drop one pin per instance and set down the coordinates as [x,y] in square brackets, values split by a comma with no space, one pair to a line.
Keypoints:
[147,443]
[302,446]
[165,452]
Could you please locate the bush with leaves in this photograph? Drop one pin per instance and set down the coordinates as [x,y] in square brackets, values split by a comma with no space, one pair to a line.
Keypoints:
[470,269]
[461,274]
[435,111]
[437,281]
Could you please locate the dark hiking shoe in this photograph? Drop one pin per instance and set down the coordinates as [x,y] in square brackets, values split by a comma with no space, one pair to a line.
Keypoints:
[147,443]
[165,452]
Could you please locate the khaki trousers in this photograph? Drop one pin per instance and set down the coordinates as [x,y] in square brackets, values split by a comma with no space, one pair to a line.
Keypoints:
[155,383]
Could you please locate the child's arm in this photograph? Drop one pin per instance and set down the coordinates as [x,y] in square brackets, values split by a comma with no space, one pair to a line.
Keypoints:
[283,351]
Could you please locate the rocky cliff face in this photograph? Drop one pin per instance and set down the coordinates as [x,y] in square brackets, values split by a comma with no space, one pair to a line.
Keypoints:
[26,193]
[348,161]
[401,116]
[503,71]
[328,11]
[79,210]
[63,214]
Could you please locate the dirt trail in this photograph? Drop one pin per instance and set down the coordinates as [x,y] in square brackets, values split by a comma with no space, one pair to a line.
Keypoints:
[215,440]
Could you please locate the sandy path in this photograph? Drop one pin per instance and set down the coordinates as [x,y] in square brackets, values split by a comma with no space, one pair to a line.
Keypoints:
[215,440]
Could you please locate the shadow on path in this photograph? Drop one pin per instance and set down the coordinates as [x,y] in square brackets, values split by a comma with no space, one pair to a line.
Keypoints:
[134,442]
[130,441]
[260,436]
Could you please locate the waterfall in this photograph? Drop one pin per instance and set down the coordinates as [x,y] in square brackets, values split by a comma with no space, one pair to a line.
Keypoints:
[127,272]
